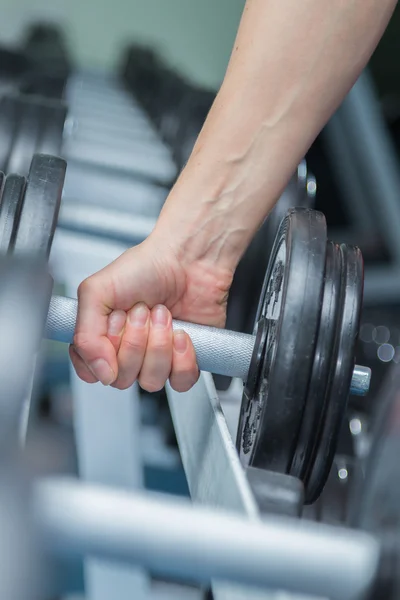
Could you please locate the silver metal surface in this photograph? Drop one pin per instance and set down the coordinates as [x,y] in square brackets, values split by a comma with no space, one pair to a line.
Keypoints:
[174,538]
[218,351]
[213,471]
[360,381]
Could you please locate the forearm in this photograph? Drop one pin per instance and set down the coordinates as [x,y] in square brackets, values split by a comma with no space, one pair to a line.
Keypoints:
[291,66]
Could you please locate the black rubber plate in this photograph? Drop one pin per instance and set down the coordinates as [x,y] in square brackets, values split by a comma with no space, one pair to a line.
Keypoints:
[291,300]
[347,327]
[39,214]
[10,210]
[317,391]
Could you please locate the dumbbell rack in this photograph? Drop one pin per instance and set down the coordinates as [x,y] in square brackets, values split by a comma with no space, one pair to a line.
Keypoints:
[224,537]
[106,523]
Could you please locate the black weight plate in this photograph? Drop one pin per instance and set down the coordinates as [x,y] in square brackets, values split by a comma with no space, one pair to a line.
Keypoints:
[342,367]
[291,301]
[39,214]
[9,115]
[317,390]
[10,210]
[26,136]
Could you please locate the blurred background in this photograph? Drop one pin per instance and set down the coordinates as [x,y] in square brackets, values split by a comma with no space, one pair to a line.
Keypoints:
[352,171]
[135,51]
[195,37]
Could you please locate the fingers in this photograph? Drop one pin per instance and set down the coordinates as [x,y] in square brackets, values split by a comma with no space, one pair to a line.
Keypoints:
[132,346]
[90,340]
[118,348]
[185,372]
[116,327]
[157,361]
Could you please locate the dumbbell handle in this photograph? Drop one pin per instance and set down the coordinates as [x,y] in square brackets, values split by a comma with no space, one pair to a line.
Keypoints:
[218,351]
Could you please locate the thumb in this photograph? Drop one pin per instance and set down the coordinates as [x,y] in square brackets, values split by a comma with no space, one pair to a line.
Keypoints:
[95,300]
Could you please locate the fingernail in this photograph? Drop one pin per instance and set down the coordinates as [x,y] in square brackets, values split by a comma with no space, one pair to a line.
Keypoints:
[116,322]
[138,315]
[180,341]
[159,316]
[102,370]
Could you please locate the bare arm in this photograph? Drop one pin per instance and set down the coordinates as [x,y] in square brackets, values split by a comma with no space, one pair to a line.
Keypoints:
[291,66]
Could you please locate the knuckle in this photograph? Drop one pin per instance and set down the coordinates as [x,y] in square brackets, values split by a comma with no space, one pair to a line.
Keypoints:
[133,345]
[89,287]
[162,345]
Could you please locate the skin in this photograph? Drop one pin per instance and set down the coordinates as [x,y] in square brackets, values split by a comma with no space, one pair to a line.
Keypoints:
[291,66]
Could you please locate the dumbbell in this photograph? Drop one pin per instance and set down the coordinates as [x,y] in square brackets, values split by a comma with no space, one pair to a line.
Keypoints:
[31,125]
[298,366]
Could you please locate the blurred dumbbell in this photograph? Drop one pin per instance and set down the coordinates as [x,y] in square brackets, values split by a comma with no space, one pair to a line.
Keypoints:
[14,68]
[46,47]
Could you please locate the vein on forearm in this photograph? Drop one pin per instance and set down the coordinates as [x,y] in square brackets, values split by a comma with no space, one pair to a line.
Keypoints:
[291,66]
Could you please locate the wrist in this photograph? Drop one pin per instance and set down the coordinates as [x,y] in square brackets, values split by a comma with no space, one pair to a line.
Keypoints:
[200,221]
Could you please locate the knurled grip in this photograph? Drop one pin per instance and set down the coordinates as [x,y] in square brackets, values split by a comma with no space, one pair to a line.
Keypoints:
[218,351]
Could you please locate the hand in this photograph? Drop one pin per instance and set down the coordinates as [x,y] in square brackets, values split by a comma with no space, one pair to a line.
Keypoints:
[124,330]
